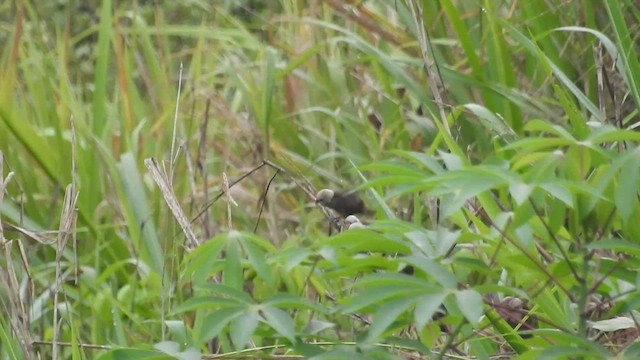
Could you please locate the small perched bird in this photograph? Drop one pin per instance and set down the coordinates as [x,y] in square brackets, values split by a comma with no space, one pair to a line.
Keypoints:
[344,204]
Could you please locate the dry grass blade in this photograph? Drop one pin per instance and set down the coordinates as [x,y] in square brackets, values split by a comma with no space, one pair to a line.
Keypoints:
[20,321]
[230,200]
[170,198]
[175,127]
[3,186]
[66,229]
[429,61]
[43,237]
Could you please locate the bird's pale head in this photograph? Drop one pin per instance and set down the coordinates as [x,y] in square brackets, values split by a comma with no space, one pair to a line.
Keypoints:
[324,196]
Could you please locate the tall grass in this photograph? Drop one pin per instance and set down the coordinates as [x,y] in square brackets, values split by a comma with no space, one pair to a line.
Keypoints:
[494,141]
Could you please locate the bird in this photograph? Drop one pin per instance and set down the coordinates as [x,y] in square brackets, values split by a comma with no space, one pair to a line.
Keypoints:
[344,204]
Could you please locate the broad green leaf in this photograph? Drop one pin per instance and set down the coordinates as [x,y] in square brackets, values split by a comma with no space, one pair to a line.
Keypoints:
[626,193]
[316,326]
[357,240]
[471,305]
[550,306]
[619,245]
[632,352]
[377,295]
[134,354]
[257,259]
[216,321]
[202,262]
[627,62]
[243,327]
[284,300]
[99,105]
[386,315]
[451,161]
[580,345]
[558,191]
[280,321]
[432,269]
[177,330]
[205,302]
[425,160]
[136,195]
[490,120]
[426,307]
[232,274]
[520,192]
[228,292]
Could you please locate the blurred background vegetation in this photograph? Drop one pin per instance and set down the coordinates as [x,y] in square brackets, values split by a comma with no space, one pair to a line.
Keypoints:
[494,141]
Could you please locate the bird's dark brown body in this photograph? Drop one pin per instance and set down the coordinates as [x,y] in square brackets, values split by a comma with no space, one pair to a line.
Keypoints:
[344,204]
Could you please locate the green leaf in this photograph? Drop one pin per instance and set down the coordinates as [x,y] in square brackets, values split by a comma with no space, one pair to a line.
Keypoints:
[133,354]
[558,191]
[202,262]
[173,348]
[316,326]
[490,120]
[280,321]
[423,159]
[426,307]
[549,305]
[101,78]
[364,240]
[232,275]
[632,352]
[296,302]
[243,327]
[257,259]
[627,62]
[451,161]
[386,315]
[520,192]
[229,292]
[626,193]
[216,321]
[136,195]
[431,268]
[376,295]
[619,245]
[408,344]
[204,302]
[564,341]
[471,304]
[168,347]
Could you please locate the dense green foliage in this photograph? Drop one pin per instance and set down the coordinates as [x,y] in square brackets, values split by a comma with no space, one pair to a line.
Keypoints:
[494,141]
